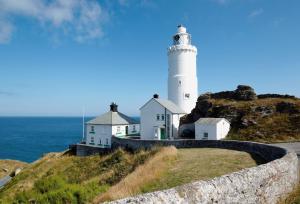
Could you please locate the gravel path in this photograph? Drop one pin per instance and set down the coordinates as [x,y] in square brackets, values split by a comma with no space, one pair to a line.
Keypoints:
[295,146]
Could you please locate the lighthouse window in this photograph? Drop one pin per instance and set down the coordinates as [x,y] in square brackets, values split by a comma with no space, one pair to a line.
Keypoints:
[179,83]
[187,95]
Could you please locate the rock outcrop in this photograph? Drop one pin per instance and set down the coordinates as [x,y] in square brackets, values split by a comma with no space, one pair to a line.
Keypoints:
[251,117]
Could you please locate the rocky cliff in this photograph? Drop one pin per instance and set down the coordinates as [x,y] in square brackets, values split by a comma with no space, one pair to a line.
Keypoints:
[265,118]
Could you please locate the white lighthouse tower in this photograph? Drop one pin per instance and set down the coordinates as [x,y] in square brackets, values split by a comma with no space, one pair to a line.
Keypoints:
[182,77]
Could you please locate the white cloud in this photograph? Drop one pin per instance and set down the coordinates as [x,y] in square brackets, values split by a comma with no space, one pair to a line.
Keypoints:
[255,13]
[6,30]
[81,19]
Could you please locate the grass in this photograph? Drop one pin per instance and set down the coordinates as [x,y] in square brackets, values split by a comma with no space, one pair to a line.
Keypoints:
[293,197]
[275,127]
[61,178]
[176,167]
[8,166]
[150,171]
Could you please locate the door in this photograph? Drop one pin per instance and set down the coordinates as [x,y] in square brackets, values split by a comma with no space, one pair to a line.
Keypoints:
[162,133]
[126,130]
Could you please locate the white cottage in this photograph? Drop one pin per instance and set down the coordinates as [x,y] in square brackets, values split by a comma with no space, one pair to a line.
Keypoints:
[160,119]
[211,128]
[100,129]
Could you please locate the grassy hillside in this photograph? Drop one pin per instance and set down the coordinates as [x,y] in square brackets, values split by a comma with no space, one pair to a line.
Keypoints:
[8,166]
[63,178]
[262,118]
[173,167]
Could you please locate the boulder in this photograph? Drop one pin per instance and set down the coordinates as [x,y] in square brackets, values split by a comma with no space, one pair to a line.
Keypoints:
[287,107]
[244,93]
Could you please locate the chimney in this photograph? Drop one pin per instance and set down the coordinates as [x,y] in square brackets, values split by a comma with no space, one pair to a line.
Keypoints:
[113,107]
[155,96]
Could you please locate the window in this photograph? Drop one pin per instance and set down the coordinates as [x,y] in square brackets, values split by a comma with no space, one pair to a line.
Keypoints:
[118,129]
[162,117]
[92,140]
[100,141]
[133,128]
[106,141]
[92,129]
[205,136]
[179,83]
[186,95]
[157,117]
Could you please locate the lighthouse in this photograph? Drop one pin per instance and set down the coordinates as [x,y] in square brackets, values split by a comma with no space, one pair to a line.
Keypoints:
[182,76]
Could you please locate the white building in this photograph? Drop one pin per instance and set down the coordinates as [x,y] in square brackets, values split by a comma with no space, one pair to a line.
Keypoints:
[100,129]
[182,77]
[211,128]
[160,119]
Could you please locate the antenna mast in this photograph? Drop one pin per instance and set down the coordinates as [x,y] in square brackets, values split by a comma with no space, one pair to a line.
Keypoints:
[83,112]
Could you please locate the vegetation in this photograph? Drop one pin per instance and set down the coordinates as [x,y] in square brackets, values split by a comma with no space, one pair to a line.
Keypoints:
[262,120]
[267,125]
[293,197]
[173,167]
[61,178]
[8,166]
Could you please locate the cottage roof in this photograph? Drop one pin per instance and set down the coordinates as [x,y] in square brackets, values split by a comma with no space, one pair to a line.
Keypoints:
[210,121]
[169,105]
[172,107]
[112,118]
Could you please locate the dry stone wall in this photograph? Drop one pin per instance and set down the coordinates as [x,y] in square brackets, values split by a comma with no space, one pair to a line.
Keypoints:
[266,183]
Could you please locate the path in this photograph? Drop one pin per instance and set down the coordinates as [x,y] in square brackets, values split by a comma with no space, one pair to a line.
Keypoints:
[295,146]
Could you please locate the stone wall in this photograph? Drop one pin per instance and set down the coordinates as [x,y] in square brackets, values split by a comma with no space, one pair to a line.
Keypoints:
[266,183]
[84,150]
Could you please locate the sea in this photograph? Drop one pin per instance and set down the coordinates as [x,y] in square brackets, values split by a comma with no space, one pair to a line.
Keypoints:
[28,138]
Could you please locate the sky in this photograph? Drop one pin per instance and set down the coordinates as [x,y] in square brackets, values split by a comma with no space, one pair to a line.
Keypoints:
[66,57]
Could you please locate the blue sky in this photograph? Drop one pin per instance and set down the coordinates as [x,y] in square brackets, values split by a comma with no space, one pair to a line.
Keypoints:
[59,56]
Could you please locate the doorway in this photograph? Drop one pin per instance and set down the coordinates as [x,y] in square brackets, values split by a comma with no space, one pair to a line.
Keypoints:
[162,134]
[126,130]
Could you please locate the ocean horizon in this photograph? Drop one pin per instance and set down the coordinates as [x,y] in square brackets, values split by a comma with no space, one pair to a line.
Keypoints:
[27,138]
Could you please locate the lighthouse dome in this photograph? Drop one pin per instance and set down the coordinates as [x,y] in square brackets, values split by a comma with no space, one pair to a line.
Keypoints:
[181,29]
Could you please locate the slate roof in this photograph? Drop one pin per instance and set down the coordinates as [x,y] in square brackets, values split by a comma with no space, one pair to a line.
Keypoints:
[172,107]
[112,118]
[210,121]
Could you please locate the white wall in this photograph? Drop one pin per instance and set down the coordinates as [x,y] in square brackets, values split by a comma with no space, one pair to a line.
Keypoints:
[149,121]
[200,129]
[133,129]
[215,132]
[182,77]
[223,128]
[101,135]
[104,133]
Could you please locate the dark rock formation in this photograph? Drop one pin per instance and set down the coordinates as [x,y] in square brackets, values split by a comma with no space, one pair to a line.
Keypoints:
[251,119]
[244,93]
[261,96]
[264,110]
[287,107]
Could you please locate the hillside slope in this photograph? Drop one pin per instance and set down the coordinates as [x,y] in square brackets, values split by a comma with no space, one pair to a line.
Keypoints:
[262,118]
[63,178]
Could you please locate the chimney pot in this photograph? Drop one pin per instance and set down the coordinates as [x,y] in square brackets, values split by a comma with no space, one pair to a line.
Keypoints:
[114,107]
[155,96]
